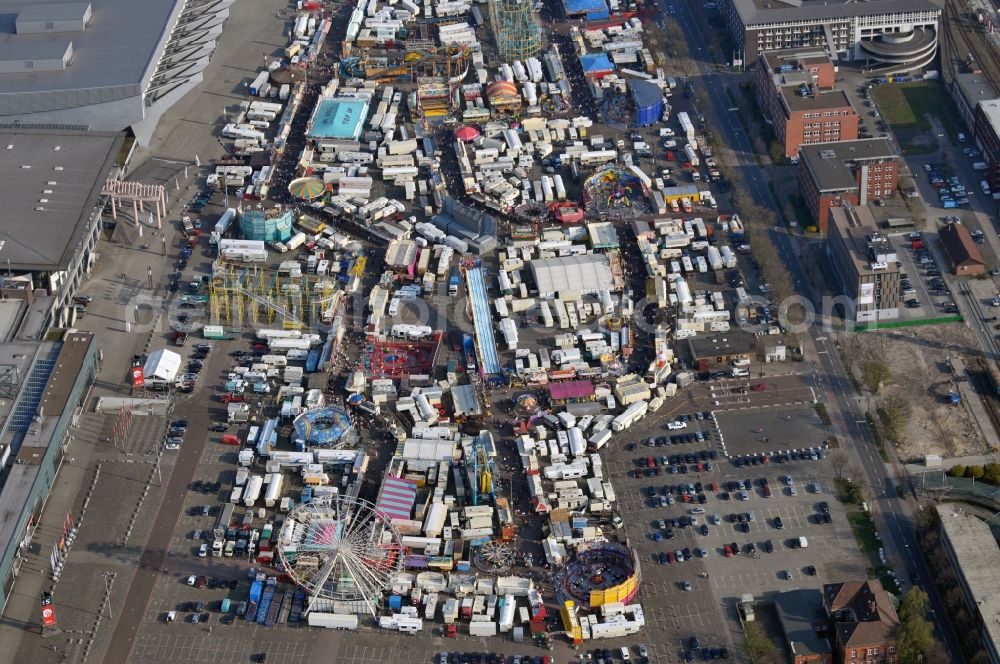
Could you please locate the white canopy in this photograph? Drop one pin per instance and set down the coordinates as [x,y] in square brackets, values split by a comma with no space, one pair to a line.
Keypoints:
[162,364]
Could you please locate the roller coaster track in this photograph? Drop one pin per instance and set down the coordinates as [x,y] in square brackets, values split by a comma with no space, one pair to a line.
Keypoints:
[953,50]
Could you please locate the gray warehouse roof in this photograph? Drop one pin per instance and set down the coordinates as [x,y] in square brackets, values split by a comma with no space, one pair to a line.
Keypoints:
[61,172]
[57,56]
[113,57]
[587,273]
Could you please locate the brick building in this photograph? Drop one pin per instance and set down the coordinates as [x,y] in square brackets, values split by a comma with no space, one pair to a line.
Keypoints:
[855,172]
[789,90]
[863,620]
[964,257]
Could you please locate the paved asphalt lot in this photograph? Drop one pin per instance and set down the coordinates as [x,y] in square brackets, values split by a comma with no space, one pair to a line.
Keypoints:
[771,429]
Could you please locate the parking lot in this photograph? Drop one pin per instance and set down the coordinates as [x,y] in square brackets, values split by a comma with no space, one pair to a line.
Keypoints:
[919,281]
[696,595]
[770,430]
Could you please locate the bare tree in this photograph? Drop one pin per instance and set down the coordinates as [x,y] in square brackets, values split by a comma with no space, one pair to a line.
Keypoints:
[839,460]
[895,411]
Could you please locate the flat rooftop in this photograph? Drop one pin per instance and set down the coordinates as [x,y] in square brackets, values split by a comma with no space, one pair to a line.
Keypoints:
[978,559]
[116,48]
[799,612]
[52,183]
[575,7]
[820,102]
[806,55]
[856,225]
[69,365]
[339,118]
[799,11]
[830,163]
[734,342]
[991,109]
[16,361]
[975,89]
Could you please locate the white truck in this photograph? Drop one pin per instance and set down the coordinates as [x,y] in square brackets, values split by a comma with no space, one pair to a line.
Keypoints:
[482,628]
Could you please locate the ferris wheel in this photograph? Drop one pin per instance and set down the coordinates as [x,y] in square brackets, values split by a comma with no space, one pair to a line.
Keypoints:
[342,551]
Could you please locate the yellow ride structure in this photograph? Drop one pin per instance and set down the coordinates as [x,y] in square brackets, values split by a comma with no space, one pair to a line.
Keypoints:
[251,295]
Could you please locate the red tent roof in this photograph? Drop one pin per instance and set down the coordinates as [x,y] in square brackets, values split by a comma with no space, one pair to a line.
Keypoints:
[574,389]
[466,134]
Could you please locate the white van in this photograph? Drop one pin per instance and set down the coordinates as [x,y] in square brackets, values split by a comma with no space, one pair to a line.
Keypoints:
[625,655]
[742,362]
[741,373]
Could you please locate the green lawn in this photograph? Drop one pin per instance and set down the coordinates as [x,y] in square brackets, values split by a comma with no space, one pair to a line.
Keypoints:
[864,531]
[906,107]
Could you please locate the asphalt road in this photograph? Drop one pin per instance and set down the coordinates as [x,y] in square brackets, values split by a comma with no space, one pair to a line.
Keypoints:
[893,518]
[154,553]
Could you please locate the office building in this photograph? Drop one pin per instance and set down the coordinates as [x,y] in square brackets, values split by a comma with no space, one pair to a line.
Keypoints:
[888,36]
[968,91]
[108,65]
[794,91]
[987,133]
[855,172]
[865,263]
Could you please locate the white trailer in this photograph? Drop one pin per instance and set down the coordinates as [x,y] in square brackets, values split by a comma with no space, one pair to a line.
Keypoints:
[599,439]
[332,620]
[691,154]
[273,494]
[638,172]
[560,187]
[435,520]
[482,628]
[252,490]
[507,613]
[630,416]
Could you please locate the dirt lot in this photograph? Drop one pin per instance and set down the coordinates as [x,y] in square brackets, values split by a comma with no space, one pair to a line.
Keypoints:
[917,358]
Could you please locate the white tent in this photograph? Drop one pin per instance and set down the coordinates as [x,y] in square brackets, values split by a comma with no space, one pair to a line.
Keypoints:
[584,274]
[163,365]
